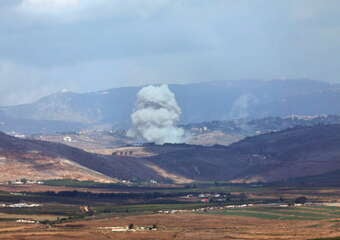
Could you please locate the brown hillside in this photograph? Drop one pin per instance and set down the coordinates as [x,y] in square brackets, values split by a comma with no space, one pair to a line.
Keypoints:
[289,154]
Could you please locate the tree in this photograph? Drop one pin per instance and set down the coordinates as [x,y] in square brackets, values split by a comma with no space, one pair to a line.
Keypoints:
[23,180]
[300,200]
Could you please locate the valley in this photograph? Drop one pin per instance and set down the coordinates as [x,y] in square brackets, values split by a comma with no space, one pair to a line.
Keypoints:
[169,120]
[107,211]
[275,185]
[265,178]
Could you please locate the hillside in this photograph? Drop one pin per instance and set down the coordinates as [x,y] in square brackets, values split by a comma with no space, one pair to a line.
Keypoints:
[279,156]
[199,102]
[249,127]
[39,160]
[296,152]
[205,133]
[230,131]
[329,179]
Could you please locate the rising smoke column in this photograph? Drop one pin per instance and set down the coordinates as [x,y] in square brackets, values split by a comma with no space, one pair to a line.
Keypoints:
[156,115]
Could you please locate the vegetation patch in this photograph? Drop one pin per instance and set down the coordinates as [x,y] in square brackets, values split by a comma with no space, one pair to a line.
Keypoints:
[293,213]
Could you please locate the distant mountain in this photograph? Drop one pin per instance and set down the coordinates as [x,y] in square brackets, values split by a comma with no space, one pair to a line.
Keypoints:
[199,102]
[30,126]
[113,106]
[295,153]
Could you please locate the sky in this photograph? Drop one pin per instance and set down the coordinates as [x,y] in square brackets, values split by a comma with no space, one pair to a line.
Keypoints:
[85,45]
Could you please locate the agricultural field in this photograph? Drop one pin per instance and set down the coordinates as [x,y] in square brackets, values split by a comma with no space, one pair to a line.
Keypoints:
[285,213]
[176,226]
[203,210]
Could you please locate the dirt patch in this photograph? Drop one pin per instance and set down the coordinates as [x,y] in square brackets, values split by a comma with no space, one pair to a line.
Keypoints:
[176,178]
[180,227]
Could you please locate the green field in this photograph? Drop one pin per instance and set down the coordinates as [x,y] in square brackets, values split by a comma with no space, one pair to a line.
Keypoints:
[288,213]
[146,208]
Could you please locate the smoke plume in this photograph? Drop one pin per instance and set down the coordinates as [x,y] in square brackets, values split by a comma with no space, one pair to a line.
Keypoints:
[156,115]
[242,105]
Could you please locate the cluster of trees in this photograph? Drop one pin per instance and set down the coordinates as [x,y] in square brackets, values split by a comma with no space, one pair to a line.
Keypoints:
[298,200]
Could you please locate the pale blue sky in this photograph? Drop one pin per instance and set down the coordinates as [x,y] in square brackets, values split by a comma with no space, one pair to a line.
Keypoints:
[86,45]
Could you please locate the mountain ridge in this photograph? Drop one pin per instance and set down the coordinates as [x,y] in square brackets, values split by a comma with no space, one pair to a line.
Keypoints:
[206,101]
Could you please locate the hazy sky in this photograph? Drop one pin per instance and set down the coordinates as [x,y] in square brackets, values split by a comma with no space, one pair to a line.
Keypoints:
[85,45]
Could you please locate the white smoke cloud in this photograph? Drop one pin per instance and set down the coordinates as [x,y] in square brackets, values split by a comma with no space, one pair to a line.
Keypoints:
[156,116]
